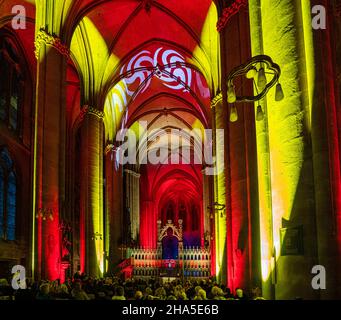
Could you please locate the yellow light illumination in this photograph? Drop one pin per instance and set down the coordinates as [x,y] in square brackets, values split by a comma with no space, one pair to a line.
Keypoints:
[206,56]
[280,136]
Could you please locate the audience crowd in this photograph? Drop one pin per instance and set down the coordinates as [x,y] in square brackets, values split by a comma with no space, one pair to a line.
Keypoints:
[82,287]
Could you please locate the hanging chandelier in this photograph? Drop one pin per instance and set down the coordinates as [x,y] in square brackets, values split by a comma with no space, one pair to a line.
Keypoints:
[265,75]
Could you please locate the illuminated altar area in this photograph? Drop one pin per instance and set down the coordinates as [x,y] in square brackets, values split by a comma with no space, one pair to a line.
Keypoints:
[170,259]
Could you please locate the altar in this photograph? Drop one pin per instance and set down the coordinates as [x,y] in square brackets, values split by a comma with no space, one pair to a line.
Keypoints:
[170,260]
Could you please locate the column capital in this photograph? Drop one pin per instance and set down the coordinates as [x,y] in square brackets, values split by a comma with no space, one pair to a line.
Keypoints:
[43,37]
[133,173]
[217,99]
[87,110]
[110,147]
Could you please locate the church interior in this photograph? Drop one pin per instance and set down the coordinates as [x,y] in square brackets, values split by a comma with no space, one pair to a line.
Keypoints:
[173,139]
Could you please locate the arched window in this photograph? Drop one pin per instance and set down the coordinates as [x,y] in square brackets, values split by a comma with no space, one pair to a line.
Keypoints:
[11,87]
[8,196]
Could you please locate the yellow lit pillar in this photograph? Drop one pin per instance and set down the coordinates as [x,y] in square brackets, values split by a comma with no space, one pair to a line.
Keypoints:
[92,189]
[219,191]
[281,30]
[49,154]
[264,173]
[48,169]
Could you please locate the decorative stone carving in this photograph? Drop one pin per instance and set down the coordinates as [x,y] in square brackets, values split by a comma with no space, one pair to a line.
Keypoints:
[229,12]
[177,232]
[110,148]
[43,37]
[92,111]
[217,99]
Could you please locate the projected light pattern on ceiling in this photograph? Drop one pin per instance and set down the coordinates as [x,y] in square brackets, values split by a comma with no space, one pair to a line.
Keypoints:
[146,73]
[167,65]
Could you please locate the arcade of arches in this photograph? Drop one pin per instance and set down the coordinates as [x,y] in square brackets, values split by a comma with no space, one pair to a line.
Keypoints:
[82,71]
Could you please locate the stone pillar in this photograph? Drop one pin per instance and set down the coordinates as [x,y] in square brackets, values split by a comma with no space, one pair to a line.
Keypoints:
[205,205]
[159,244]
[218,119]
[49,154]
[202,224]
[133,202]
[326,137]
[92,190]
[289,151]
[243,205]
[109,193]
[114,208]
[264,175]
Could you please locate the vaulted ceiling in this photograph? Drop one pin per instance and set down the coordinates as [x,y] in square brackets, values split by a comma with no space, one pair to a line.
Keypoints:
[137,60]
[157,62]
[133,54]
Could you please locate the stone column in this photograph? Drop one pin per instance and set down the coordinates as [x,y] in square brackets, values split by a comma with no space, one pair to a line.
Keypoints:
[109,168]
[291,145]
[264,176]
[92,189]
[114,208]
[133,201]
[242,161]
[49,154]
[202,224]
[219,190]
[205,205]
